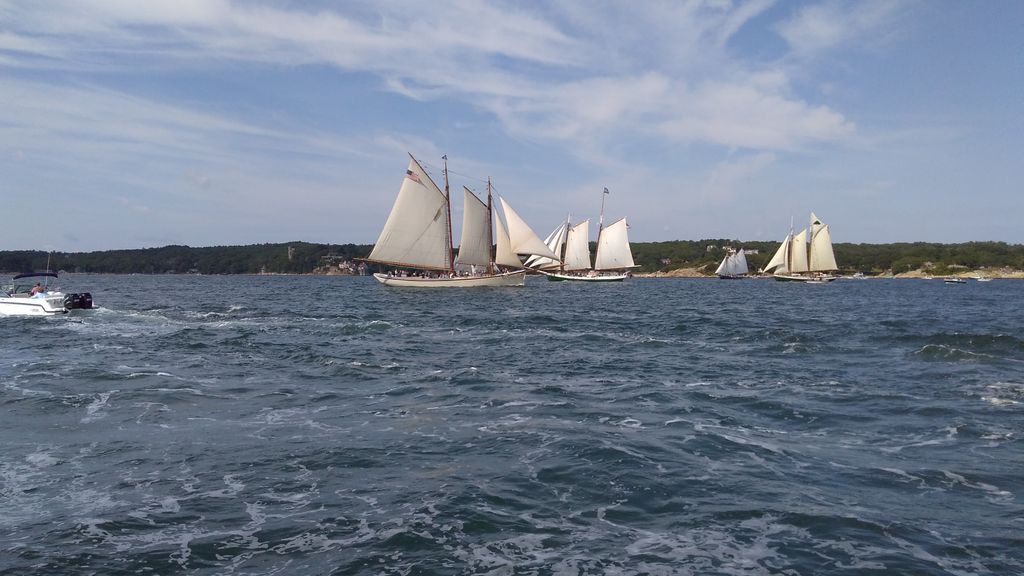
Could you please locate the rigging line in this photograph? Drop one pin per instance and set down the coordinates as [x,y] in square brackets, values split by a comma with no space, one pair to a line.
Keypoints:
[450,171]
[484,180]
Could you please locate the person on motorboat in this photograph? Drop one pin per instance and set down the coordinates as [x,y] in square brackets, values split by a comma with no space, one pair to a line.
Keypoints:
[37,289]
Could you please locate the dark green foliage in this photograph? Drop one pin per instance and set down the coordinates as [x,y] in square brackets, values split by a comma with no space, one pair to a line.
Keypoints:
[937,258]
[650,256]
[868,258]
[253,259]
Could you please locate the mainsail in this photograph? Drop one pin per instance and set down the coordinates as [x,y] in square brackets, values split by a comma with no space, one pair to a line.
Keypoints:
[475,248]
[821,258]
[798,253]
[613,248]
[577,247]
[739,264]
[417,229]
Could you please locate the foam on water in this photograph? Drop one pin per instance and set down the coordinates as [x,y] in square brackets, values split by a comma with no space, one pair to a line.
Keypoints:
[205,425]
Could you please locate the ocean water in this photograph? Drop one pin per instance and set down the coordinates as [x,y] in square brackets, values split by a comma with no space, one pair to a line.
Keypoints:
[330,425]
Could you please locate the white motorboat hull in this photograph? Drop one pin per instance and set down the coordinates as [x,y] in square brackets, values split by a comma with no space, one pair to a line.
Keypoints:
[517,278]
[554,277]
[49,305]
[18,299]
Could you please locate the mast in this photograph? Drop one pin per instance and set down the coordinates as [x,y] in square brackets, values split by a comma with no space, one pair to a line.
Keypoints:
[600,221]
[448,201]
[789,249]
[490,229]
[565,248]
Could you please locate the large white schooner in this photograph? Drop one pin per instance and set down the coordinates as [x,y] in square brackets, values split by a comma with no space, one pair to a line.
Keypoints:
[613,260]
[800,259]
[417,236]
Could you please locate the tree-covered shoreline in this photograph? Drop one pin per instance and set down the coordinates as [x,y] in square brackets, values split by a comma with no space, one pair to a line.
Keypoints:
[651,257]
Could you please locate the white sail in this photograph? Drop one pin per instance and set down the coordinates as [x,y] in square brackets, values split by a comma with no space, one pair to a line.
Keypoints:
[475,247]
[740,263]
[779,262]
[798,253]
[577,247]
[416,231]
[522,238]
[503,254]
[554,242]
[815,225]
[613,248]
[822,258]
[723,267]
[734,264]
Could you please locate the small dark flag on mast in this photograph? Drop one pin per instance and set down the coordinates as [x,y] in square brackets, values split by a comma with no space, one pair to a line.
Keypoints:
[412,176]
[606,191]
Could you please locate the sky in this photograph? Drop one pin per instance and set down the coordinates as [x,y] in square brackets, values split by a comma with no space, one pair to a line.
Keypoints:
[136,124]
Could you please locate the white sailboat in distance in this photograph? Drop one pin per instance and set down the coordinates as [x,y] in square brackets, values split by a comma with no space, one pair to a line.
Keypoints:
[733,266]
[803,259]
[417,239]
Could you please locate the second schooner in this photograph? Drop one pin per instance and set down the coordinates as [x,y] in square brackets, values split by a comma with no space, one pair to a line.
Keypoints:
[612,264]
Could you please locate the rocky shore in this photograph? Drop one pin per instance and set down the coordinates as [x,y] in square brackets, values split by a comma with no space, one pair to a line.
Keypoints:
[1003,273]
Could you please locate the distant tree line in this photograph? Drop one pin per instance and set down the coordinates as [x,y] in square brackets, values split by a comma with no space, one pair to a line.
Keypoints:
[867,258]
[303,257]
[289,258]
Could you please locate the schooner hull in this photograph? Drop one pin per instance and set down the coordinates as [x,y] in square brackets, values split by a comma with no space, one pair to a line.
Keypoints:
[517,278]
[554,277]
[804,279]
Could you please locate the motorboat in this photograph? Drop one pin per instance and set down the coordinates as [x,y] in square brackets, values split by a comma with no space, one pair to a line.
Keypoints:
[23,298]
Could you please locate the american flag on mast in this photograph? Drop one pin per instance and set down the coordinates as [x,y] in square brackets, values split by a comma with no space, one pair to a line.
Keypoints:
[413,176]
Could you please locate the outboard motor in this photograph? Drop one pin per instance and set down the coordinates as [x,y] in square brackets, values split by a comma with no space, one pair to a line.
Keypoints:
[81,301]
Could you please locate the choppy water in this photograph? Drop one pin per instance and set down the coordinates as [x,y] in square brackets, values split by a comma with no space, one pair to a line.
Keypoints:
[311,425]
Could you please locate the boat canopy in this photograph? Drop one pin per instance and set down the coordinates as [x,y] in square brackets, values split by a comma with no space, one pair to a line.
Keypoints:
[35,274]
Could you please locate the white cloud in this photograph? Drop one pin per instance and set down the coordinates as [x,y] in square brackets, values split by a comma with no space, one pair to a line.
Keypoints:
[729,176]
[607,83]
[736,19]
[575,80]
[819,27]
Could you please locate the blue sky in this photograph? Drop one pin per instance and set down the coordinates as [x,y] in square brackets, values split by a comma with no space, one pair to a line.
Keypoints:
[130,124]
